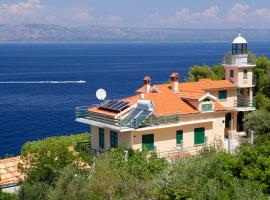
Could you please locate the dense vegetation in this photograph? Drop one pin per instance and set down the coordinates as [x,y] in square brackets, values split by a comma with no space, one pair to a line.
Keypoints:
[213,175]
[197,72]
[7,196]
[59,168]
[44,160]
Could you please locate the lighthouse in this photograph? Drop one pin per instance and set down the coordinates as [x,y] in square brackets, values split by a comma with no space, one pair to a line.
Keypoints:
[239,71]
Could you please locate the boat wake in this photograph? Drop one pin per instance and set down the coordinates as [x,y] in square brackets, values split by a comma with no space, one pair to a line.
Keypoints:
[42,82]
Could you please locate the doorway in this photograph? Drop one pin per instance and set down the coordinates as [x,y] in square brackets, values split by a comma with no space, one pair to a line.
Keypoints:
[228,124]
[240,121]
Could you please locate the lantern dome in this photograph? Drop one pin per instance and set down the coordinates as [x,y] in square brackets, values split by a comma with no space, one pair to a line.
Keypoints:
[239,40]
[239,46]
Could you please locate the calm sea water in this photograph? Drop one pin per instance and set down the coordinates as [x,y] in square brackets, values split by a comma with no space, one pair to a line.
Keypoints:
[31,109]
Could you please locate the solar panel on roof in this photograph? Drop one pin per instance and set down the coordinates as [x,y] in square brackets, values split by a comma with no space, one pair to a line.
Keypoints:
[137,117]
[119,105]
[113,105]
[104,103]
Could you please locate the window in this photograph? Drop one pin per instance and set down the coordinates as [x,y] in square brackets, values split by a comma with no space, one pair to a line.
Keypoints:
[148,142]
[207,107]
[101,138]
[222,95]
[206,99]
[199,135]
[114,139]
[240,91]
[231,73]
[179,137]
[245,74]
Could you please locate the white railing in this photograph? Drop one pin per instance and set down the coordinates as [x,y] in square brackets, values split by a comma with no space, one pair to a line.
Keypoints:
[178,153]
[130,121]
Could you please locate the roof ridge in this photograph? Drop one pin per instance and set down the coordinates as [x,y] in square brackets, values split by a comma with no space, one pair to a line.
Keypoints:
[197,92]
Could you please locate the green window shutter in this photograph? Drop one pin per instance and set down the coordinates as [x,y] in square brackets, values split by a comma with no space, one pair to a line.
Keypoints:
[148,142]
[222,95]
[101,138]
[207,107]
[179,137]
[199,135]
[114,139]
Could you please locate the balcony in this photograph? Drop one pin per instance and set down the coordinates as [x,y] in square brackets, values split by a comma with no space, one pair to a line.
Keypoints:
[83,113]
[245,103]
[129,121]
[152,120]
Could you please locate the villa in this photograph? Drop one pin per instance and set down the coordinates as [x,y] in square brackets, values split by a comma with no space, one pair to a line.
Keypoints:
[166,117]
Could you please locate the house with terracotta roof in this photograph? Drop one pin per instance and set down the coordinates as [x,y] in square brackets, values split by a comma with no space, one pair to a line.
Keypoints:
[10,177]
[177,115]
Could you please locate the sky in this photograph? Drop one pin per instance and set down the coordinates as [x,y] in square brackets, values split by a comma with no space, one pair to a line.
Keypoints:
[208,14]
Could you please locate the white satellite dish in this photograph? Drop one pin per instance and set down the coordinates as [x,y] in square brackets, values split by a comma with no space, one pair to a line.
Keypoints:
[101,94]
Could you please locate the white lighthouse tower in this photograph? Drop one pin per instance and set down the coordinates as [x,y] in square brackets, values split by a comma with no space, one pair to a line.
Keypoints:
[240,72]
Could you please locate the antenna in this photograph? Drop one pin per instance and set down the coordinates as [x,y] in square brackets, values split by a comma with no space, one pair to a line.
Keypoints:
[101,94]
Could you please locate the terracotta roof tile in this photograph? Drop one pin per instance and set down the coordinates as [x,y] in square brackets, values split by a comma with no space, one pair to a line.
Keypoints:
[206,84]
[219,107]
[9,171]
[166,102]
[169,104]
[192,95]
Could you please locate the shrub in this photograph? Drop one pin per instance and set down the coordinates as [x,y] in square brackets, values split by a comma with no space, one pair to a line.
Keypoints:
[259,122]
[72,184]
[208,176]
[43,160]
[33,191]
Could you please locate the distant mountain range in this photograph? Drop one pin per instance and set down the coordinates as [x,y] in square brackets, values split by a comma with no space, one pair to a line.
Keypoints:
[56,33]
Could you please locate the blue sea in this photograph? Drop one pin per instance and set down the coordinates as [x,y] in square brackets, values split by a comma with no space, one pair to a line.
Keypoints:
[37,102]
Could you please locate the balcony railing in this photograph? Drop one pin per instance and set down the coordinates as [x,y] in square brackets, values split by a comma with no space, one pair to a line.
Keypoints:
[152,120]
[130,121]
[178,153]
[242,103]
[84,113]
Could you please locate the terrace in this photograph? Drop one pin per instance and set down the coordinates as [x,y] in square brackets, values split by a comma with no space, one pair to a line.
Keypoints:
[133,120]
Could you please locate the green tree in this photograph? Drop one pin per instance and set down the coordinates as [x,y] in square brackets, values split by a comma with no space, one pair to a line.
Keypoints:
[255,165]
[33,191]
[72,184]
[262,66]
[209,176]
[111,176]
[131,177]
[7,196]
[262,71]
[44,160]
[197,72]
[259,122]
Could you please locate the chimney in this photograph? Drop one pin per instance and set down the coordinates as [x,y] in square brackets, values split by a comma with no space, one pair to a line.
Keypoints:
[147,84]
[175,81]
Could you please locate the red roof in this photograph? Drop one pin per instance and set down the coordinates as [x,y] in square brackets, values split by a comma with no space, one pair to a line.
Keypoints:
[166,102]
[9,171]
